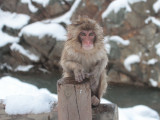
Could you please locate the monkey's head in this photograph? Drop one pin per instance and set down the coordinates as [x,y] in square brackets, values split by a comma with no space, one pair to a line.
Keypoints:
[85,34]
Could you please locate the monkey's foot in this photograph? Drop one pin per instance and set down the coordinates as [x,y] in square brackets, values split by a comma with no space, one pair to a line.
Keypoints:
[95,101]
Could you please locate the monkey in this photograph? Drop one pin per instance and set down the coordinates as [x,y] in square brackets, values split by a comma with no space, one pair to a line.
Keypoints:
[84,56]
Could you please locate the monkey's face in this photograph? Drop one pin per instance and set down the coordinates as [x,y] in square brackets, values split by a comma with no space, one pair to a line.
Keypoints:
[87,39]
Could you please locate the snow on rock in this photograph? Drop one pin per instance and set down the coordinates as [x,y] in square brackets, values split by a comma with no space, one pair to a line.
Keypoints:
[44,3]
[116,5]
[6,39]
[23,68]
[13,20]
[152,61]
[23,98]
[40,29]
[139,112]
[131,60]
[153,20]
[156,6]
[118,40]
[31,7]
[158,49]
[5,65]
[153,82]
[24,52]
[67,16]
[107,45]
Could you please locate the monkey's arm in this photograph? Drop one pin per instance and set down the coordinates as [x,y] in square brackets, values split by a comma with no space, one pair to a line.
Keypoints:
[74,67]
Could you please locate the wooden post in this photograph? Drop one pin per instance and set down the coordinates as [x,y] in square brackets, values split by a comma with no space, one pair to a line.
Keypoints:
[74,100]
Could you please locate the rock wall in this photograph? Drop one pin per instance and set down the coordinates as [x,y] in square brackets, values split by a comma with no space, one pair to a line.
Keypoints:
[133,30]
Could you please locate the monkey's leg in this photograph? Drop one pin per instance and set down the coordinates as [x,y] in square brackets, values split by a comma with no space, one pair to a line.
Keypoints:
[95,101]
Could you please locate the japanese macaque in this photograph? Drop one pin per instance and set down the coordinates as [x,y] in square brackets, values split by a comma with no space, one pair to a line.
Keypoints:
[84,56]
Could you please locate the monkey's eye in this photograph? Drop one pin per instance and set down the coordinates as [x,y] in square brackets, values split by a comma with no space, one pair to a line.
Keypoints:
[91,34]
[82,34]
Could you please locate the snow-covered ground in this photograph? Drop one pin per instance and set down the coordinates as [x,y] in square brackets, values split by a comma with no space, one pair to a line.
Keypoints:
[18,95]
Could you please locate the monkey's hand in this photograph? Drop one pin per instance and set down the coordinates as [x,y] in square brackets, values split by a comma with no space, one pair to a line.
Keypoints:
[79,74]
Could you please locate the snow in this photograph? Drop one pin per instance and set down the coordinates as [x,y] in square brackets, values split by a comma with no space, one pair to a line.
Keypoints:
[5,65]
[153,82]
[6,39]
[24,98]
[131,59]
[40,29]
[67,16]
[139,112]
[31,7]
[158,49]
[107,45]
[23,104]
[116,5]
[23,68]
[152,61]
[18,95]
[118,40]
[12,20]
[44,3]
[156,6]
[153,20]
[24,52]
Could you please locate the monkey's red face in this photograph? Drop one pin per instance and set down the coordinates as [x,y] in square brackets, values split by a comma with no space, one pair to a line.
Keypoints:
[87,39]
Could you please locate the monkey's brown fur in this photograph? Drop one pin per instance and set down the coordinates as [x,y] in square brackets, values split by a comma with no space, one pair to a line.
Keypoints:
[94,61]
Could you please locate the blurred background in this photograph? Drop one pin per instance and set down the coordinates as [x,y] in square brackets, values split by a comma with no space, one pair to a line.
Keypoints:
[33,32]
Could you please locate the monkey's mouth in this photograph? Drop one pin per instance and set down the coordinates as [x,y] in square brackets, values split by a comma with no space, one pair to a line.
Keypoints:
[87,47]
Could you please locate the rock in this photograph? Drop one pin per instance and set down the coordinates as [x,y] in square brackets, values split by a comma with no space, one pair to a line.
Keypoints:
[54,56]
[115,52]
[135,20]
[43,45]
[10,31]
[57,50]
